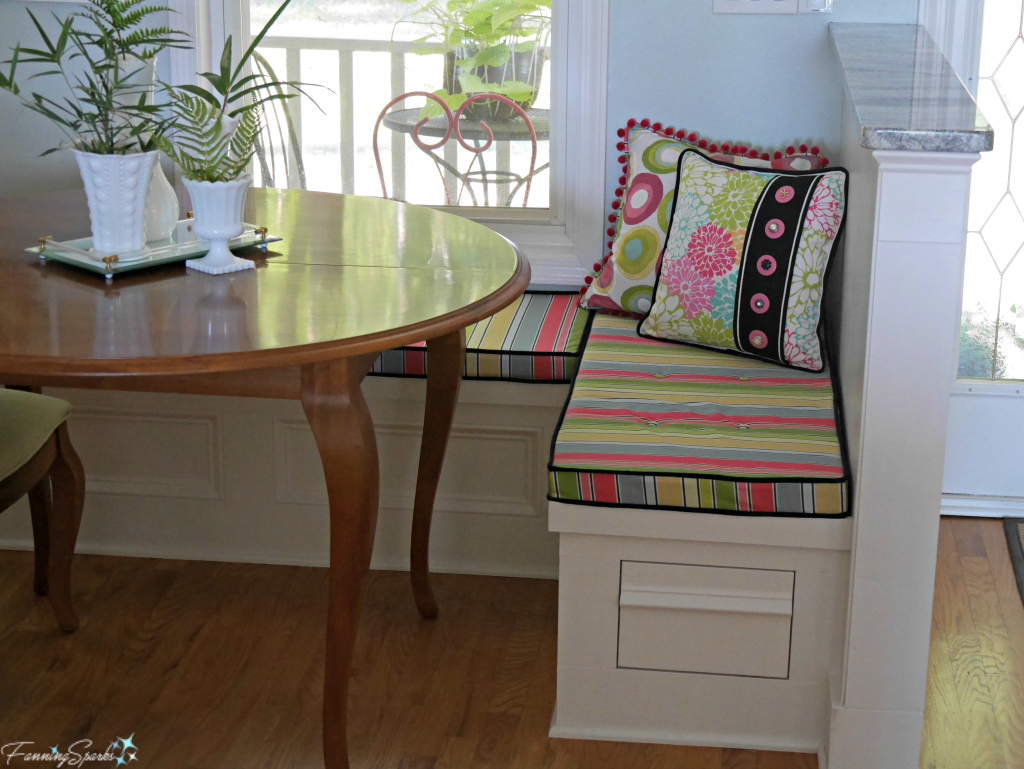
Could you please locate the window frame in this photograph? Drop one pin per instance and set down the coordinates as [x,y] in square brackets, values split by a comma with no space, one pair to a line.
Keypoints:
[560,244]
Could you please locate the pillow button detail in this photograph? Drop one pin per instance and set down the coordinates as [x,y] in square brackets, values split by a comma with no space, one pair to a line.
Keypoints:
[758,339]
[766,265]
[759,303]
[785,194]
[774,229]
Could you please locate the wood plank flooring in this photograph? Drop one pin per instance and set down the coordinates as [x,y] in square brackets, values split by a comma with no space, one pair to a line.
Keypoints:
[974,710]
[221,665]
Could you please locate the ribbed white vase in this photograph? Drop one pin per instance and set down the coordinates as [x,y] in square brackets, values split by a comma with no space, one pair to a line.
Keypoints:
[217,208]
[116,187]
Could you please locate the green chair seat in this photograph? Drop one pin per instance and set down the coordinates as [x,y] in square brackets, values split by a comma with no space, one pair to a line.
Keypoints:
[26,421]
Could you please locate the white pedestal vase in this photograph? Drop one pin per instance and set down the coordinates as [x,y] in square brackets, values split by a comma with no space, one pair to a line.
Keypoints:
[217,207]
[116,187]
[161,206]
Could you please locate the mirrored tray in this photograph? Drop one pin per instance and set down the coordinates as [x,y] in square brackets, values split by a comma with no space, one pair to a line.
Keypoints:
[183,244]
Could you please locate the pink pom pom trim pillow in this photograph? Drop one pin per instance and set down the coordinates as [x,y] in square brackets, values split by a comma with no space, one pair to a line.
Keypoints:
[623,281]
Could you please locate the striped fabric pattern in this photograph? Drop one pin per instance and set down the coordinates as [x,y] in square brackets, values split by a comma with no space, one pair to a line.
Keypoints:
[661,425]
[537,338]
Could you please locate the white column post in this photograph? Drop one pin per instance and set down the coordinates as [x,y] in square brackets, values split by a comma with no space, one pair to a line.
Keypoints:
[902,283]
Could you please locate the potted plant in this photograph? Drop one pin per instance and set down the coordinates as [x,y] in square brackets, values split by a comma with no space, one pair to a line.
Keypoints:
[212,136]
[104,55]
[491,46]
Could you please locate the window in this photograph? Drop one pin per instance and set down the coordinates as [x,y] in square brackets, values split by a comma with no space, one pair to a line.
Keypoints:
[992,323]
[560,233]
[357,56]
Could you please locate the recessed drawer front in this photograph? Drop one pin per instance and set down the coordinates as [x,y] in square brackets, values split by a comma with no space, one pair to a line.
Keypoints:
[705,619]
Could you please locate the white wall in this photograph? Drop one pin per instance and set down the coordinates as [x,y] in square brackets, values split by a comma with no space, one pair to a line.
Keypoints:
[765,80]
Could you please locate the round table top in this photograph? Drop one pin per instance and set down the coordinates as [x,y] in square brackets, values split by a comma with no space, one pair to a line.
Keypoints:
[353,275]
[405,120]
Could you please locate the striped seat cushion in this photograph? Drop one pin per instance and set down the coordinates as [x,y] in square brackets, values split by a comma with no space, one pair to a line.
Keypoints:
[537,338]
[659,425]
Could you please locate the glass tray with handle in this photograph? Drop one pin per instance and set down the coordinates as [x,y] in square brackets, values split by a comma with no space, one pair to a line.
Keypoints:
[183,244]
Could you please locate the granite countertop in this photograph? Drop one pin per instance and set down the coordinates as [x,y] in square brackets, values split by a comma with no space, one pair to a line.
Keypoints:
[905,94]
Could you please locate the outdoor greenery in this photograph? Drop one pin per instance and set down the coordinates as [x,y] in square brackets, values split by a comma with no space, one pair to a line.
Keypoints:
[98,52]
[983,342]
[490,40]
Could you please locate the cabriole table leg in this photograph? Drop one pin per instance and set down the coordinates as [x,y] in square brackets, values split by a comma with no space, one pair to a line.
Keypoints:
[341,423]
[446,359]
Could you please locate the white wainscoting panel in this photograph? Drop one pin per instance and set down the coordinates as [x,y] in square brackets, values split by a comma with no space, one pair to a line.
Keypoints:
[239,479]
[149,454]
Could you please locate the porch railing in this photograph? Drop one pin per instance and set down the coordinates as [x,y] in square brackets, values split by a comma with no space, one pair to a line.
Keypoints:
[293,47]
[346,48]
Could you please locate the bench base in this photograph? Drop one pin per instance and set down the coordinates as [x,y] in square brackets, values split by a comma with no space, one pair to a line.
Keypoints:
[698,629]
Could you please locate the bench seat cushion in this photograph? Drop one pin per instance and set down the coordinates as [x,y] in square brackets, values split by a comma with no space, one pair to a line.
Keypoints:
[651,424]
[537,338]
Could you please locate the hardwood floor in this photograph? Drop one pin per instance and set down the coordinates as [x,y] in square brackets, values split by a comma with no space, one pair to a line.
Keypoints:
[221,665]
[974,712]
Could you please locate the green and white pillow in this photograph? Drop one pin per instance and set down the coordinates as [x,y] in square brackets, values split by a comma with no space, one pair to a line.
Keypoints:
[624,281]
[746,259]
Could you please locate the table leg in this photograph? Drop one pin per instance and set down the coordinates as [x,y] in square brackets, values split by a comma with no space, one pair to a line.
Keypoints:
[343,429]
[446,358]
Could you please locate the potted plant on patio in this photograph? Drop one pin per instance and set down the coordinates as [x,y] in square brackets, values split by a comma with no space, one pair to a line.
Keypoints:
[212,135]
[491,46]
[104,54]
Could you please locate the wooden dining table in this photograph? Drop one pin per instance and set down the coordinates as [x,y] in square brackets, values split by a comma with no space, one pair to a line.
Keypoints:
[351,277]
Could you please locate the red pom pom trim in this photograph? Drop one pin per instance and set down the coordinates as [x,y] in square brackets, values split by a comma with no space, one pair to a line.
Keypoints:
[621,133]
[693,136]
[764,156]
[645,123]
[589,279]
[623,158]
[790,150]
[824,162]
[670,131]
[656,126]
[620,146]
[815,150]
[622,180]
[778,155]
[681,133]
[611,231]
[583,290]
[752,154]
[612,218]
[597,266]
[616,204]
[743,149]
[619,191]
[631,122]
[703,144]
[611,243]
[713,147]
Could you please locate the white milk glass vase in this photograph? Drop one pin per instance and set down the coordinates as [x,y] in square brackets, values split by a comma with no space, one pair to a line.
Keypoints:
[116,187]
[161,206]
[217,208]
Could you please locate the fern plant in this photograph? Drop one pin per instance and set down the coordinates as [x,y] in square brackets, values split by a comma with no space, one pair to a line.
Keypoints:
[97,52]
[203,138]
[208,145]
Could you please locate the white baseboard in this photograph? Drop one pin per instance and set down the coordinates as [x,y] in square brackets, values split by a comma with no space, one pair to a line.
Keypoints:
[379,564]
[982,506]
[699,740]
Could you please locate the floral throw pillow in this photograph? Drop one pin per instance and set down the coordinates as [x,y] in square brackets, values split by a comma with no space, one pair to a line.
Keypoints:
[746,259]
[624,280]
